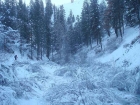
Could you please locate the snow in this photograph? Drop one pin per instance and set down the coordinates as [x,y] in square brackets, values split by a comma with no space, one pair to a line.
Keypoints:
[121,54]
[93,77]
[30,102]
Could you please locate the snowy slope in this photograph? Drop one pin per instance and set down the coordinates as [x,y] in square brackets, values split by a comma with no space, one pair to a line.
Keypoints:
[125,50]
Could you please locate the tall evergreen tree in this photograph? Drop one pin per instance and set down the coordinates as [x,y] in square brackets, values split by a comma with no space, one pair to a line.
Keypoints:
[95,24]
[69,43]
[62,32]
[9,16]
[116,9]
[48,15]
[54,31]
[42,27]
[1,8]
[107,21]
[85,23]
[31,25]
[23,24]
[78,32]
[36,20]
[102,9]
[23,20]
[132,14]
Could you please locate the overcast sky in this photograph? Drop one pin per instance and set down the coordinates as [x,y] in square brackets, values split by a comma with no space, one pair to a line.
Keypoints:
[56,2]
[59,2]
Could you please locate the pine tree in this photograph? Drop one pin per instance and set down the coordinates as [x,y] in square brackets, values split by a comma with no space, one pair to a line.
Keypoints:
[54,31]
[62,35]
[9,16]
[95,25]
[102,9]
[23,20]
[132,14]
[23,24]
[36,20]
[78,32]
[1,8]
[107,21]
[69,43]
[85,23]
[42,27]
[31,27]
[116,9]
[77,38]
[48,15]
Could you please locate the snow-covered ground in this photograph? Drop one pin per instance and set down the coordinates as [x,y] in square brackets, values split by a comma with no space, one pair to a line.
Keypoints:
[110,76]
[94,77]
[120,52]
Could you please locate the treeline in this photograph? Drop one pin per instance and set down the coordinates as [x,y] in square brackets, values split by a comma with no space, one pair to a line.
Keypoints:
[49,31]
[99,19]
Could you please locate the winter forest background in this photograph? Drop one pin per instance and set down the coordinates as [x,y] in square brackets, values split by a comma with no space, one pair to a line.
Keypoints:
[47,30]
[88,55]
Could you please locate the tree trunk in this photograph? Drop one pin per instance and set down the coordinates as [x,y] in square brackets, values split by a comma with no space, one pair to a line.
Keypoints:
[31,48]
[116,32]
[108,32]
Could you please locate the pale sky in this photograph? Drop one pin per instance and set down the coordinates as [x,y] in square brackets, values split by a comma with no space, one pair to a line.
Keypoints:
[56,2]
[59,2]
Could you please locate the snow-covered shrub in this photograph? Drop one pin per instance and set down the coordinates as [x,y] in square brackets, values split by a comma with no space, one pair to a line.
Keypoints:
[127,81]
[113,44]
[80,57]
[71,94]
[119,81]
[60,72]
[6,74]
[138,87]
[22,88]
[68,72]
[2,80]
[97,49]
[126,64]
[19,93]
[86,84]
[137,90]
[64,94]
[123,81]
[126,45]
[135,40]
[7,96]
[34,68]
[136,73]
[83,80]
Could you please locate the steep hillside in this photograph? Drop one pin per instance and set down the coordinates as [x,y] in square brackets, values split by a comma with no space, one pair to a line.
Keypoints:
[123,53]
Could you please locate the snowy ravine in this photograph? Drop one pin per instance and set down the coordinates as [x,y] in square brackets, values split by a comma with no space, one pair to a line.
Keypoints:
[50,84]
[46,83]
[93,77]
